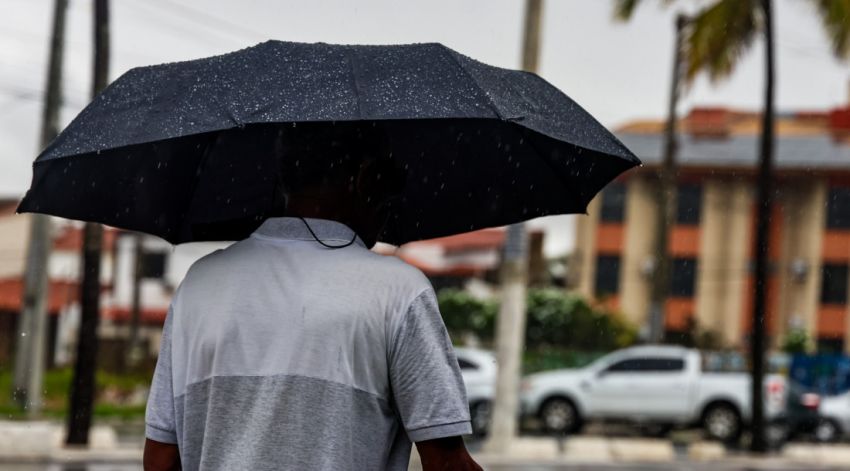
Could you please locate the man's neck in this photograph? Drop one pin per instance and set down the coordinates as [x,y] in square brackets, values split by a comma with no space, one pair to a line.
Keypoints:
[318,208]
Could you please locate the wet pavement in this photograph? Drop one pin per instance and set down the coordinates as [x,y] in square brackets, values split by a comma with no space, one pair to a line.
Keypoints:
[684,466]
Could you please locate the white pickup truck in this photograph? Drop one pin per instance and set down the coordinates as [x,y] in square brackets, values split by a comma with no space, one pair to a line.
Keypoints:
[662,386]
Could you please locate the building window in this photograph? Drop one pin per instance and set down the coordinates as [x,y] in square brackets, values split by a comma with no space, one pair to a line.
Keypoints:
[607,275]
[153,265]
[834,284]
[688,204]
[683,278]
[830,345]
[613,202]
[838,208]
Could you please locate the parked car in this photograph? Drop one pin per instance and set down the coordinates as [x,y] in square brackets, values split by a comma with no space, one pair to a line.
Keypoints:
[478,368]
[834,422]
[661,385]
[799,418]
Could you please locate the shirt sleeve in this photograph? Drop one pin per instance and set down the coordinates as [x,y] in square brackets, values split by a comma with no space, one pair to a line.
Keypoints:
[425,378]
[159,414]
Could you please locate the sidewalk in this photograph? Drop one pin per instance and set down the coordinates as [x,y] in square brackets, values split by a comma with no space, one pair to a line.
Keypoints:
[42,442]
[601,450]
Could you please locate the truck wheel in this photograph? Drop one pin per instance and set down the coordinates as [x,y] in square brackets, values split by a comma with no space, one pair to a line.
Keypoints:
[560,416]
[827,431]
[722,422]
[480,415]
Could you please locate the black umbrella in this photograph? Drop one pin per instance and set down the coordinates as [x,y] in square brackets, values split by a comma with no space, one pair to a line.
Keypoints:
[482,146]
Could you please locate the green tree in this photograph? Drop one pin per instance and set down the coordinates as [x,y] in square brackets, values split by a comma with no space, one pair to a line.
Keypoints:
[719,35]
[556,320]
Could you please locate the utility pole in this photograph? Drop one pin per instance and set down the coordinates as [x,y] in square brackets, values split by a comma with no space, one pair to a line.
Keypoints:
[666,196]
[762,239]
[32,323]
[510,331]
[82,388]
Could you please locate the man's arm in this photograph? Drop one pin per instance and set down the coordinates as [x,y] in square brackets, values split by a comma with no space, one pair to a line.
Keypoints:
[447,454]
[161,451]
[161,456]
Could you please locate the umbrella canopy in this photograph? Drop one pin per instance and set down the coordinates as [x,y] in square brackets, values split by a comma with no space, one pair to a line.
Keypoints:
[482,146]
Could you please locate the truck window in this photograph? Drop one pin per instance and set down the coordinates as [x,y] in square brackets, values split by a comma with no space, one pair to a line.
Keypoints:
[647,364]
[466,365]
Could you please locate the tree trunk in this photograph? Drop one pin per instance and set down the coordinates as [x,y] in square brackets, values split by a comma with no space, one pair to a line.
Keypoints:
[762,241]
[510,331]
[83,385]
[666,197]
[32,322]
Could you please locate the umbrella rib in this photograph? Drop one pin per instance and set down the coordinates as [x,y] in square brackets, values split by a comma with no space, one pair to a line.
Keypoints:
[492,103]
[355,83]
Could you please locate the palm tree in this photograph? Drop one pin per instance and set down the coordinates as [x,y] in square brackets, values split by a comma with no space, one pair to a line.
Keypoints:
[719,35]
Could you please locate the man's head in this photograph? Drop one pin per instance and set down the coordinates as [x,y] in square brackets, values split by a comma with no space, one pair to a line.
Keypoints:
[342,171]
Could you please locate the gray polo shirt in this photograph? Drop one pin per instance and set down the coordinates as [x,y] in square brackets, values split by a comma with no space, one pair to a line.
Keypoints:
[279,353]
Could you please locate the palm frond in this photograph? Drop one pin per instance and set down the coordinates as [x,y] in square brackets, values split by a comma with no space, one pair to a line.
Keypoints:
[835,16]
[719,35]
[624,9]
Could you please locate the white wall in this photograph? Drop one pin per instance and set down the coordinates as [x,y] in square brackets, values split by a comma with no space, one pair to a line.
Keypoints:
[155,293]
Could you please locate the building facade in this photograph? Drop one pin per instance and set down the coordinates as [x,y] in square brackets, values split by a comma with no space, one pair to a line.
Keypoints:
[711,243]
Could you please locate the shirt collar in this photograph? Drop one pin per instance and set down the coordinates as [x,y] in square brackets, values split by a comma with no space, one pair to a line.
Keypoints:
[289,228]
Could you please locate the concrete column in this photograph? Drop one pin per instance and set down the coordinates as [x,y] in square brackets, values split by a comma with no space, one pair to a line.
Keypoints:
[723,265]
[799,275]
[585,261]
[640,214]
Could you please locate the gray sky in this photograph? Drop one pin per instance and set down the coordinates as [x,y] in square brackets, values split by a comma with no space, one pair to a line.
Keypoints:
[616,71]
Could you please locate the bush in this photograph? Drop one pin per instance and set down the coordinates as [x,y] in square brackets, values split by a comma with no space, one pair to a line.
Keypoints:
[796,341]
[463,314]
[563,320]
[545,359]
[695,336]
[556,321]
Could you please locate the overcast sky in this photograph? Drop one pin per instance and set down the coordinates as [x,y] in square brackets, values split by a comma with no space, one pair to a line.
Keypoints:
[618,72]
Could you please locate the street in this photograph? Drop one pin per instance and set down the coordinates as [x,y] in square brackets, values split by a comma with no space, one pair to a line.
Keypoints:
[514,466]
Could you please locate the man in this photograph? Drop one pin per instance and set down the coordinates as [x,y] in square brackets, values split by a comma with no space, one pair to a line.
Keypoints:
[298,347]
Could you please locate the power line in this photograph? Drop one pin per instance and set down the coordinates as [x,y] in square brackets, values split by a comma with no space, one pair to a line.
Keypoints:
[17,93]
[186,25]
[194,13]
[38,36]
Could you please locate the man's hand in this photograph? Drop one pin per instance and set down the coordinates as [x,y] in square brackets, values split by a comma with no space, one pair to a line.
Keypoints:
[161,456]
[445,454]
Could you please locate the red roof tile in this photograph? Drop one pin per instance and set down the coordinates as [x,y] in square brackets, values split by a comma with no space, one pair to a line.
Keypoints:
[60,294]
[71,239]
[150,316]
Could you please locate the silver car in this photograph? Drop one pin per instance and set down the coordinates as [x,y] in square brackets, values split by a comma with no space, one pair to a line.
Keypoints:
[478,368]
[834,418]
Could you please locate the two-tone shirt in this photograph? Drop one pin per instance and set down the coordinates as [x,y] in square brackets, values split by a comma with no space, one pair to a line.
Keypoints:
[281,353]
